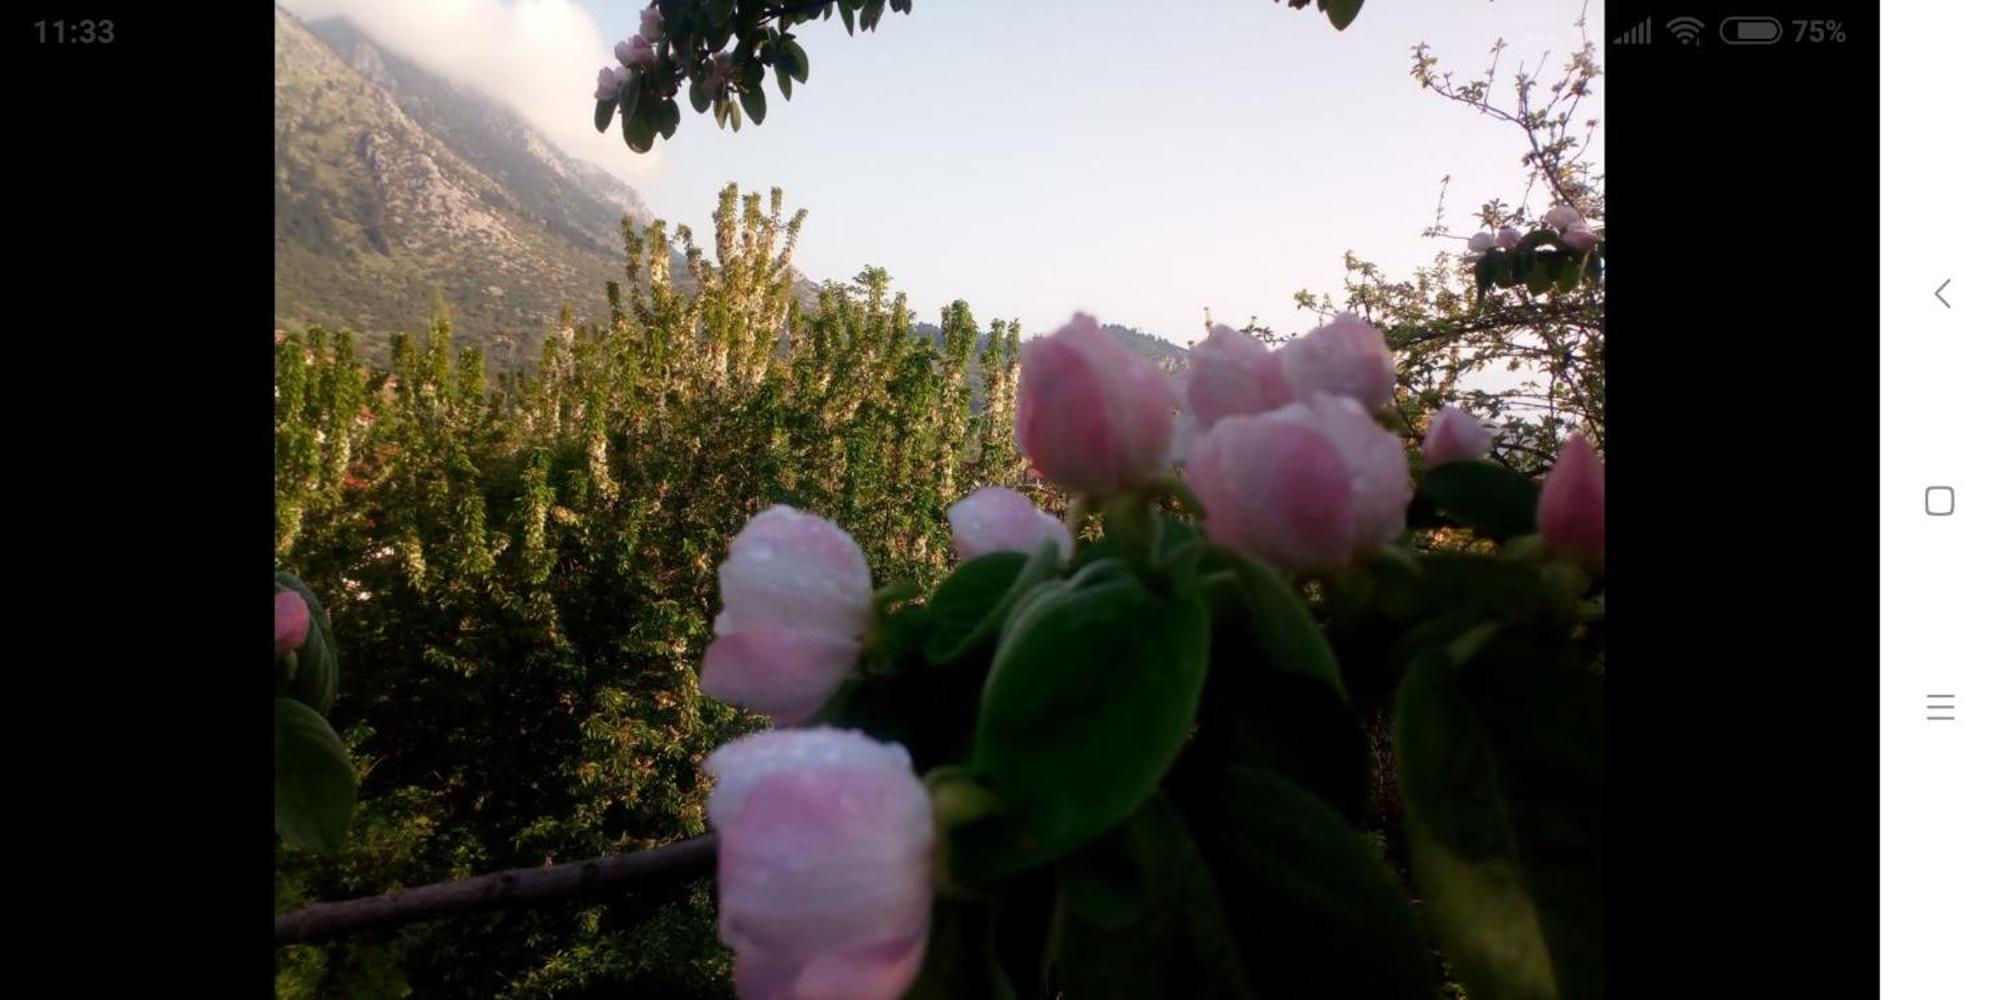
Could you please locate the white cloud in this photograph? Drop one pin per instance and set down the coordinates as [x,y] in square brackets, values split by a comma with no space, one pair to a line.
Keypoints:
[539,57]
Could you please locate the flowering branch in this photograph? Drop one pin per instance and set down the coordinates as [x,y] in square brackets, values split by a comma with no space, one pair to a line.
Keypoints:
[676,862]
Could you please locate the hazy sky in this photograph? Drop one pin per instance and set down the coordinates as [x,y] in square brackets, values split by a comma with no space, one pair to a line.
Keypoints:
[1139,159]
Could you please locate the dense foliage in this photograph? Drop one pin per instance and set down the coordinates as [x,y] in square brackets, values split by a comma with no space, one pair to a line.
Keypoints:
[522,577]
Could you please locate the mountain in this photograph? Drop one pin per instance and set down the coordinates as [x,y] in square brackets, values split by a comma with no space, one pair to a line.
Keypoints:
[396,187]
[1171,357]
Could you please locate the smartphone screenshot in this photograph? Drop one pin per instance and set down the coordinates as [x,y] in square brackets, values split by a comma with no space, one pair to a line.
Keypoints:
[1011,498]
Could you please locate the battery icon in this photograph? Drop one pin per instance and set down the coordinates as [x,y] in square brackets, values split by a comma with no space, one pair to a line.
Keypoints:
[1752,31]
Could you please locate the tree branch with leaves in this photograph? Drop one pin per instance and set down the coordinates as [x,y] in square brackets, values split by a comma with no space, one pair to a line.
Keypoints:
[720,53]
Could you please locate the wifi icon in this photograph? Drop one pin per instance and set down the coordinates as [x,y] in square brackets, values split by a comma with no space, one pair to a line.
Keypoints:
[1686,30]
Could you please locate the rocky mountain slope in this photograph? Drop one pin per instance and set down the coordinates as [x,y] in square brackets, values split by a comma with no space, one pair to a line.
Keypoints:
[396,188]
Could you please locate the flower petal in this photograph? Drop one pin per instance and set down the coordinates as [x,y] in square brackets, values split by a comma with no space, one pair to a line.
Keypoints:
[782,672]
[796,570]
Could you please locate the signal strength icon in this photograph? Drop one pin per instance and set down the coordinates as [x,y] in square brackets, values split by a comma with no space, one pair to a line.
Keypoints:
[1639,35]
[1686,29]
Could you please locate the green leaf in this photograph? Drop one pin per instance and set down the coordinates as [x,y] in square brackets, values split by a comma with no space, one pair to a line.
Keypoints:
[318,671]
[628,95]
[1315,909]
[1461,586]
[1286,723]
[1422,515]
[1570,273]
[1341,12]
[895,641]
[315,794]
[735,115]
[603,115]
[930,710]
[697,98]
[1487,497]
[1175,535]
[960,962]
[640,129]
[1092,693]
[1279,621]
[668,115]
[871,14]
[1541,273]
[785,84]
[972,603]
[792,56]
[1138,916]
[1500,752]
[847,15]
[753,102]
[719,11]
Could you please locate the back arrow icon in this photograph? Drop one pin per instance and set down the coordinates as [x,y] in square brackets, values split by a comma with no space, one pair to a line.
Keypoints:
[1940,293]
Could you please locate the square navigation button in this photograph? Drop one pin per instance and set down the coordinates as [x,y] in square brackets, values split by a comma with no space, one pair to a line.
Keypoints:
[1939,501]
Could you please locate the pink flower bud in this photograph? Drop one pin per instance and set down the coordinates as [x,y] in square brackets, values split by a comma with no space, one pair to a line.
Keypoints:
[293,621]
[642,52]
[1231,373]
[649,25]
[1304,487]
[1579,238]
[609,82]
[1378,469]
[823,865]
[1571,509]
[1347,357]
[796,600]
[1092,416]
[1480,242]
[1561,217]
[1455,436]
[636,52]
[1509,238]
[996,519]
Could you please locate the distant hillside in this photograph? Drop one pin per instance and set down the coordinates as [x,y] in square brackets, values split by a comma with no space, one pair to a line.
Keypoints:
[394,186]
[1169,356]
